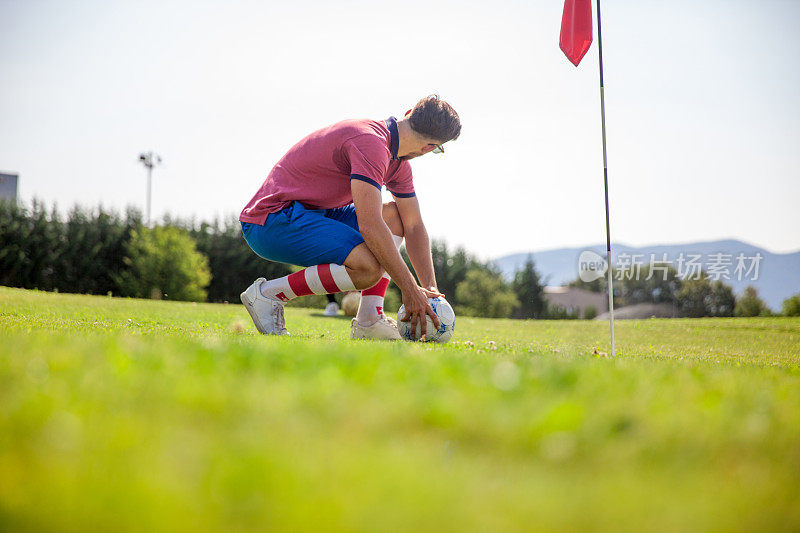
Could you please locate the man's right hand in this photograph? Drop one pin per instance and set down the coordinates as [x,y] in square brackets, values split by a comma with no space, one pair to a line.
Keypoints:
[415,301]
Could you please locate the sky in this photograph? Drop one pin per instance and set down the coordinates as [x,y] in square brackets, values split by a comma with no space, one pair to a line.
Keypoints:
[702,109]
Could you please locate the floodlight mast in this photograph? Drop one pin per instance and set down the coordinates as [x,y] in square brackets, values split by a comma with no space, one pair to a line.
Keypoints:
[149,159]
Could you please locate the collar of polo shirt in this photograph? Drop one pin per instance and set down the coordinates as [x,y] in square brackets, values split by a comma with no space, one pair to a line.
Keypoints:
[394,136]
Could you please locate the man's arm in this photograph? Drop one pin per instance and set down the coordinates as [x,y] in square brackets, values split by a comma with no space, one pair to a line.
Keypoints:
[367,201]
[418,245]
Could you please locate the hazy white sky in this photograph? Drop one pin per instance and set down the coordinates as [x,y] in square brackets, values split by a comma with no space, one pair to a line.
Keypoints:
[703,109]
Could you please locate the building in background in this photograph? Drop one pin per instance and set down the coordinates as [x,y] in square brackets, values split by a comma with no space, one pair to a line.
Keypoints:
[8,186]
[576,301]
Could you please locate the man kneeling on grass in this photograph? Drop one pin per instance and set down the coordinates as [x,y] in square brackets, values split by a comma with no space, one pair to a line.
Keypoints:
[320,207]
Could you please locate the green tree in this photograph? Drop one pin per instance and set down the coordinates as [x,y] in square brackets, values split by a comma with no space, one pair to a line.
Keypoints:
[658,283]
[95,248]
[233,264]
[750,304]
[722,301]
[450,267]
[791,306]
[30,244]
[15,230]
[700,297]
[484,293]
[164,261]
[528,288]
[694,297]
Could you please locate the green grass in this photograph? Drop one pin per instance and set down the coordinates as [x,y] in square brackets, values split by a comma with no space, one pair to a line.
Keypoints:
[139,415]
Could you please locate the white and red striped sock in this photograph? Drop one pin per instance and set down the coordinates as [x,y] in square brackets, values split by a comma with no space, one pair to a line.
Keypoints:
[371,306]
[318,279]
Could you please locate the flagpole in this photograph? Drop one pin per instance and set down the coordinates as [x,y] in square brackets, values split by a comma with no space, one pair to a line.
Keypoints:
[605,179]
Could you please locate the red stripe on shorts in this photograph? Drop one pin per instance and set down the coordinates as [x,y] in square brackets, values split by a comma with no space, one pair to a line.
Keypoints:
[297,281]
[326,278]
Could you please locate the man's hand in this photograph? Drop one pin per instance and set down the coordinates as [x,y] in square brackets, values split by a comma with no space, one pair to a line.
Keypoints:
[417,306]
[431,292]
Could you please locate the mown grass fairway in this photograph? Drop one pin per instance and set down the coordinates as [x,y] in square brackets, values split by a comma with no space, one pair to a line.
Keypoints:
[130,415]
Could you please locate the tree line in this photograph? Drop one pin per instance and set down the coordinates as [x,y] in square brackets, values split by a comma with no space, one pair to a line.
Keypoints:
[100,251]
[695,297]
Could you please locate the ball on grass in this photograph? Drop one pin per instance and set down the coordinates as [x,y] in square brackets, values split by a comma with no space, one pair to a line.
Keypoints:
[447,321]
[350,303]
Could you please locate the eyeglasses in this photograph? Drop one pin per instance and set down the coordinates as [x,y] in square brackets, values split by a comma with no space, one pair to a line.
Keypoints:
[438,149]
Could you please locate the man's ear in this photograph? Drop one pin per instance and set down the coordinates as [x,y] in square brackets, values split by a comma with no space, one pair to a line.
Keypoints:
[408,112]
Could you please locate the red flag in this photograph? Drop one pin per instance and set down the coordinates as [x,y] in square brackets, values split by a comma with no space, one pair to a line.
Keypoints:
[576,29]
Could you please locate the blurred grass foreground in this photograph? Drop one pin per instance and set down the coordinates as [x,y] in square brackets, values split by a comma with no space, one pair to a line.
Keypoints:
[135,415]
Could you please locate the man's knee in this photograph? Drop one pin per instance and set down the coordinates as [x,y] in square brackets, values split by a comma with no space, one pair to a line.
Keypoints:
[391,215]
[370,279]
[364,269]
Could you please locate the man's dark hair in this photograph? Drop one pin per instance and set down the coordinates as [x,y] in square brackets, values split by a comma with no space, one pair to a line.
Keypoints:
[436,119]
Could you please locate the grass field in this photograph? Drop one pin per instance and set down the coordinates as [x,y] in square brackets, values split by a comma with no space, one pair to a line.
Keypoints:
[131,415]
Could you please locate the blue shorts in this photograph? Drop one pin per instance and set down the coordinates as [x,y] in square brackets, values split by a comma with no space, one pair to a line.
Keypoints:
[305,237]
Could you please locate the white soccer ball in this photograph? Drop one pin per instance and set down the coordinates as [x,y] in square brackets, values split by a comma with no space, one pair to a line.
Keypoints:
[447,319]
[350,303]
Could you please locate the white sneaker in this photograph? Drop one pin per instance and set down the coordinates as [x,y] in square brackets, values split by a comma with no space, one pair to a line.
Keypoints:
[382,329]
[267,314]
[332,309]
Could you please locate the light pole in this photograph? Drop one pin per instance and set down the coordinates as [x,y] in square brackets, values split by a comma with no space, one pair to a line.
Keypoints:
[149,159]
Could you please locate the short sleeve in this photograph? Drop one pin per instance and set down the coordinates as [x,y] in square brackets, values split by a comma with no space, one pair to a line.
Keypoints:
[369,158]
[400,180]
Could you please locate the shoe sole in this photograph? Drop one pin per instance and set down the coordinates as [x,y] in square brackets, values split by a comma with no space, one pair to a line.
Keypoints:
[352,337]
[252,314]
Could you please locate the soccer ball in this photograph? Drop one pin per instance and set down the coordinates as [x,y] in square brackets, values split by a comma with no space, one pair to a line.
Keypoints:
[447,319]
[350,303]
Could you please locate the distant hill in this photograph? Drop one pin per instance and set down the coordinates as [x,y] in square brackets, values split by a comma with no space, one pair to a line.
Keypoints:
[778,276]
